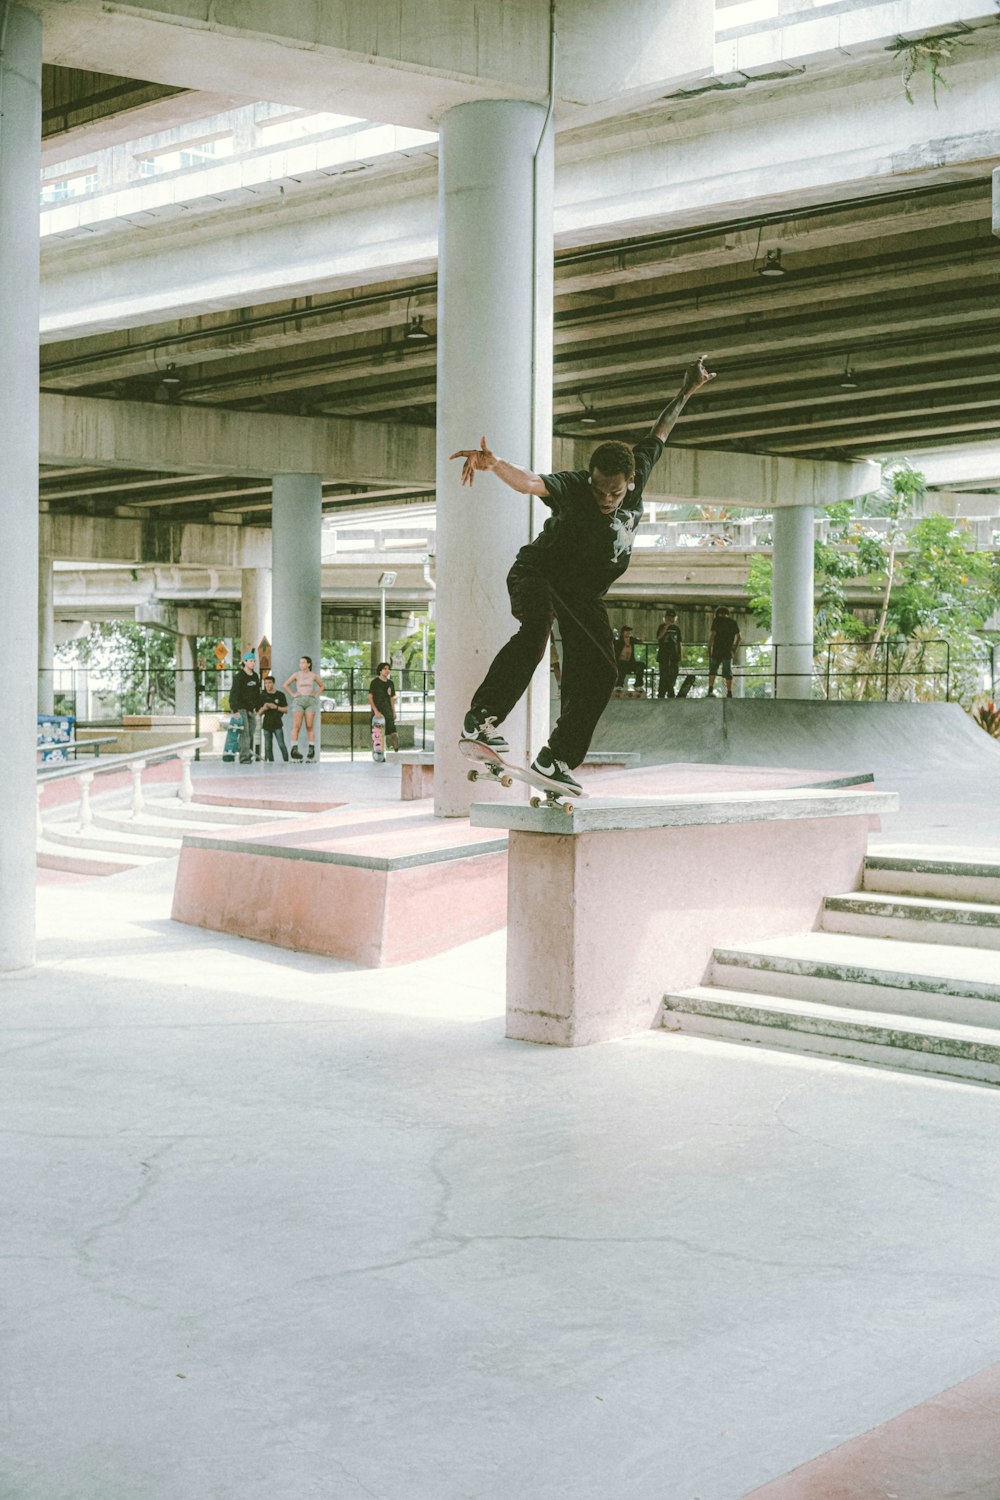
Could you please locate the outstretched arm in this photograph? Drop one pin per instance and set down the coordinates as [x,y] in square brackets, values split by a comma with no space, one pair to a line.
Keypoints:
[695,376]
[478,459]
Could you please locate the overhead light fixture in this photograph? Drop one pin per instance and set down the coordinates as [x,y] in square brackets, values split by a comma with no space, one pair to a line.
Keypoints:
[847,380]
[772,266]
[416,333]
[171,376]
[589,417]
[386,580]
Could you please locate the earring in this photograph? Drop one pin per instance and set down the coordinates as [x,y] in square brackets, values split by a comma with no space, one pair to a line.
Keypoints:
[630,486]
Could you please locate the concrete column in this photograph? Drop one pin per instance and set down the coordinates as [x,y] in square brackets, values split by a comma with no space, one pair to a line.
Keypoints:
[494,377]
[20,164]
[296,564]
[184,677]
[46,636]
[792,601]
[255,607]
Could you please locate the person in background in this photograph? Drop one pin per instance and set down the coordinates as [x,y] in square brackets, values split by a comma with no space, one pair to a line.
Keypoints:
[626,658]
[244,696]
[272,709]
[382,702]
[668,654]
[305,688]
[722,643]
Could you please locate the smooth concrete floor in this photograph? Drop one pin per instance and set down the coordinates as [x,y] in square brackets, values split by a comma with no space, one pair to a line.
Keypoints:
[277,1228]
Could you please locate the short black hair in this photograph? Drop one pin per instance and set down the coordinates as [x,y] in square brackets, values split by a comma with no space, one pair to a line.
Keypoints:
[670,614]
[383,664]
[269,677]
[613,458]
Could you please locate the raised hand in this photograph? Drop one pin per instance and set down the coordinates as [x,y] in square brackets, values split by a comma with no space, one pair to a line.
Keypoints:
[697,375]
[475,458]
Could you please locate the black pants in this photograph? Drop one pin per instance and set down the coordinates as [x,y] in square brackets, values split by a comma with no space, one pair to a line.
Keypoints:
[666,687]
[589,670]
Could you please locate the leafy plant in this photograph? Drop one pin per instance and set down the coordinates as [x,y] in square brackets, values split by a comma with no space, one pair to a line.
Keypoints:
[987,716]
[928,55]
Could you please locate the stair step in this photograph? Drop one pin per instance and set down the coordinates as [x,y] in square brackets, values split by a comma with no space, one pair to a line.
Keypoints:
[942,1048]
[955,875]
[105,842]
[935,981]
[87,861]
[234,813]
[915,919]
[163,828]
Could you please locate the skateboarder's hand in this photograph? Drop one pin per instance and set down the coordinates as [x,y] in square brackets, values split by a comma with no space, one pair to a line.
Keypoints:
[697,375]
[475,458]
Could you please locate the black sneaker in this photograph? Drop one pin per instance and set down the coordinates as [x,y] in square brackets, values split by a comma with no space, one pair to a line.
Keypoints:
[555,771]
[296,753]
[482,728]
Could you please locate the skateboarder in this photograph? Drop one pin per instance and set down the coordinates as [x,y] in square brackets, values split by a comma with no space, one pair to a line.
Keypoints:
[244,696]
[668,654]
[563,574]
[382,702]
[722,643]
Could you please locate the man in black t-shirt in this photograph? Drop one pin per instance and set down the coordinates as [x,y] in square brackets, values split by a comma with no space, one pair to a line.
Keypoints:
[722,642]
[244,696]
[382,702]
[272,709]
[562,575]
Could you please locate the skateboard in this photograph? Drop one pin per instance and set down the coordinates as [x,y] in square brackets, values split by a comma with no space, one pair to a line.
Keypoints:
[231,748]
[378,741]
[489,763]
[686,685]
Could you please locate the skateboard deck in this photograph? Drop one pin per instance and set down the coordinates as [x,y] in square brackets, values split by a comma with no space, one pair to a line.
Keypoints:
[378,740]
[490,763]
[231,748]
[686,685]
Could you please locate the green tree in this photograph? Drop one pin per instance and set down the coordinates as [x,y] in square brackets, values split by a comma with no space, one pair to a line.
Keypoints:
[136,663]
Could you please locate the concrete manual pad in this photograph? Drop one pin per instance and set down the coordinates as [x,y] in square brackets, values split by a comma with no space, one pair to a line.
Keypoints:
[278,1229]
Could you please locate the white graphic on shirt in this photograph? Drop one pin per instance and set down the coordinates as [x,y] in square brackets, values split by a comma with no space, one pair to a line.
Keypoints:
[623,529]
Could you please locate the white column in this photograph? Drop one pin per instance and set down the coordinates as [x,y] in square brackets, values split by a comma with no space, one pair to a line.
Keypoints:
[494,377]
[255,607]
[185,692]
[792,601]
[20,164]
[46,636]
[296,564]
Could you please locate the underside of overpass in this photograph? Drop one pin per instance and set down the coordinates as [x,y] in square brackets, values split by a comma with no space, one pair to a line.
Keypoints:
[880,338]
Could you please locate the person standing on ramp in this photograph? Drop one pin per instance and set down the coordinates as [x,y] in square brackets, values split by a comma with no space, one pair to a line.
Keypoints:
[563,575]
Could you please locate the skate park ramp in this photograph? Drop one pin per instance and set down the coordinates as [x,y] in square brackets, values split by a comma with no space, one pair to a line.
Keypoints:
[883,738]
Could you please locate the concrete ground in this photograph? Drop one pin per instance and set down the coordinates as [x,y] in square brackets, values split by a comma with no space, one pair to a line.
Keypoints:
[277,1227]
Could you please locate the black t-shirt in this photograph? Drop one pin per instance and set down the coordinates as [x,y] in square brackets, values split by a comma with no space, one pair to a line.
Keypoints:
[382,694]
[726,630]
[578,547]
[272,719]
[668,652]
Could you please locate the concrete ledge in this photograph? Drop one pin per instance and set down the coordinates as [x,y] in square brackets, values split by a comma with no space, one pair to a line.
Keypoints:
[357,904]
[620,814]
[691,872]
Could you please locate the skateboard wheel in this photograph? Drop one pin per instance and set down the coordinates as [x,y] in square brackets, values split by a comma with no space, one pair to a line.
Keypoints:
[472,775]
[567,807]
[506,781]
[536,802]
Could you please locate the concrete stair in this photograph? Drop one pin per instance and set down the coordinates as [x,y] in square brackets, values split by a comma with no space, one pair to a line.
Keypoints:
[907,978]
[116,841]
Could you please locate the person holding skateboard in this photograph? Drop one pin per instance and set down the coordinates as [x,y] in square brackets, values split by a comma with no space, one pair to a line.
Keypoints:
[382,702]
[305,688]
[669,646]
[244,696]
[563,575]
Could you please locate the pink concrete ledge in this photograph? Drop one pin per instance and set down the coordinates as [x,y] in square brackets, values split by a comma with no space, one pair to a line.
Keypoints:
[325,889]
[691,871]
[946,1447]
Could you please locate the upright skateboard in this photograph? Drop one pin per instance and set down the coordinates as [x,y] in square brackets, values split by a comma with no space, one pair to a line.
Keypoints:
[378,740]
[489,763]
[231,748]
[686,685]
